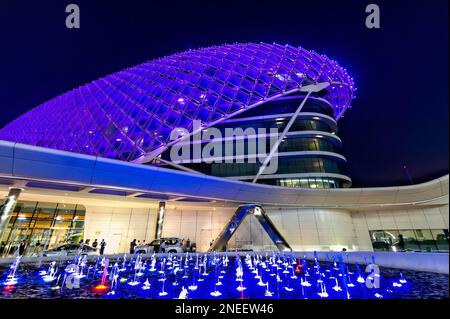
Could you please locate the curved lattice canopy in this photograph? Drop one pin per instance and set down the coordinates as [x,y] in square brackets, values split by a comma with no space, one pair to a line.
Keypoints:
[131,113]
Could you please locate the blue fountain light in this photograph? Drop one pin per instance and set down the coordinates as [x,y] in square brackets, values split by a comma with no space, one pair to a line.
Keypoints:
[212,276]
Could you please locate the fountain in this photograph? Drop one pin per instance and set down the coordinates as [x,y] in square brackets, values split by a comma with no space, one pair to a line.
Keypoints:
[102,286]
[163,292]
[260,282]
[240,277]
[50,275]
[146,285]
[163,264]
[113,278]
[56,286]
[169,259]
[81,264]
[350,284]
[267,292]
[293,276]
[204,263]
[304,282]
[289,277]
[225,260]
[124,264]
[400,283]
[216,292]
[402,279]
[11,278]
[336,287]
[183,294]
[288,287]
[323,290]
[360,278]
[175,271]
[137,271]
[194,286]
[153,263]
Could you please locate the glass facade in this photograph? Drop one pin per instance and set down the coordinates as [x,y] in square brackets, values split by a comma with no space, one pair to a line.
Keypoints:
[288,106]
[285,166]
[314,130]
[280,124]
[309,182]
[410,240]
[131,113]
[292,144]
[42,226]
[307,144]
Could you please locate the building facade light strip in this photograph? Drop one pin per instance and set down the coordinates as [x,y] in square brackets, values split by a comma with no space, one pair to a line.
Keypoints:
[293,175]
[321,116]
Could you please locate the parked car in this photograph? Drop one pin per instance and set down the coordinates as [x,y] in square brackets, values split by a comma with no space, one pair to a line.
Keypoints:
[69,250]
[172,245]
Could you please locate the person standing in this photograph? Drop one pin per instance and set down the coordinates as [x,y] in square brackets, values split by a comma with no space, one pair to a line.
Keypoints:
[102,247]
[188,245]
[22,248]
[95,244]
[132,245]
[2,247]
[401,242]
[37,247]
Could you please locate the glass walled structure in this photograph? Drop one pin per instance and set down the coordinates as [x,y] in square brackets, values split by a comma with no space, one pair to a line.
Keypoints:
[410,240]
[309,155]
[199,206]
[130,115]
[42,226]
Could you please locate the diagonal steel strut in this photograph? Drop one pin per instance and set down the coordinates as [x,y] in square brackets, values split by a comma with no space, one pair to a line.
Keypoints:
[220,243]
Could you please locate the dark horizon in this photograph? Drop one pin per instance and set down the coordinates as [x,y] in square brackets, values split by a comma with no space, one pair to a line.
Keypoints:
[399,116]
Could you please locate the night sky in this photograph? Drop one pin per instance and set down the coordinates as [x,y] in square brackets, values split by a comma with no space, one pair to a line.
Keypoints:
[400,115]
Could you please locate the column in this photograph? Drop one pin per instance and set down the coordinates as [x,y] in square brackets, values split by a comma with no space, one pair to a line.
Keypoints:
[7,207]
[160,219]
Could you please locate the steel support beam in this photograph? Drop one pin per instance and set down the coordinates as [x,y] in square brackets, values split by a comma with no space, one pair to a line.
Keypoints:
[220,243]
[313,88]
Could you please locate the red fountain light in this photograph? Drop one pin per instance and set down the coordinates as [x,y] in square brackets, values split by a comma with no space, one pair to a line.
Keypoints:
[101,288]
[299,267]
[9,288]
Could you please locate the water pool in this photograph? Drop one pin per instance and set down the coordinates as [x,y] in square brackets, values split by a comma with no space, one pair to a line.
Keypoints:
[251,276]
